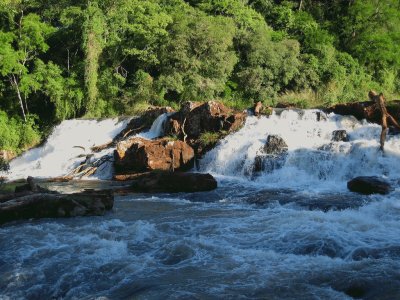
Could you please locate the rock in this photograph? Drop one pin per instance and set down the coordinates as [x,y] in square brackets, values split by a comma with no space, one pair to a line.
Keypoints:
[340,136]
[272,156]
[234,122]
[369,185]
[196,118]
[208,117]
[258,106]
[5,157]
[275,145]
[139,155]
[54,205]
[169,182]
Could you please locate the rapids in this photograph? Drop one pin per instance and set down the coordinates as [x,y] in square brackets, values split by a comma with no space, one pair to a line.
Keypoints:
[293,232]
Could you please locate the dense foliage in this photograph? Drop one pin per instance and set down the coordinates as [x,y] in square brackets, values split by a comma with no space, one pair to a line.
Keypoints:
[73,58]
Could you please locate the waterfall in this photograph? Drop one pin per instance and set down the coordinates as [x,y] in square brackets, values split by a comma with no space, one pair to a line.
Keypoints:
[70,144]
[313,159]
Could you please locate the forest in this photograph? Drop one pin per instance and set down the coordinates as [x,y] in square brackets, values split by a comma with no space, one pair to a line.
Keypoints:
[97,58]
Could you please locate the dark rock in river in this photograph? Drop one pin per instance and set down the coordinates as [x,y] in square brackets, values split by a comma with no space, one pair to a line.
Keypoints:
[139,155]
[272,156]
[340,136]
[29,204]
[174,182]
[369,185]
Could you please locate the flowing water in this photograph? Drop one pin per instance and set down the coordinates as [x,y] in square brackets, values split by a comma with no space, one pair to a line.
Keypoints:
[292,231]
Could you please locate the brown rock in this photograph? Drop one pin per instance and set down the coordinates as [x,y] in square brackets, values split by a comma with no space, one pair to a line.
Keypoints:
[208,117]
[235,122]
[168,182]
[258,106]
[138,155]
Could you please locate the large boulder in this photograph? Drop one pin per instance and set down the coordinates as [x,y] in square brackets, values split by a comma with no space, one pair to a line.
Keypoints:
[272,156]
[369,185]
[195,118]
[174,182]
[139,155]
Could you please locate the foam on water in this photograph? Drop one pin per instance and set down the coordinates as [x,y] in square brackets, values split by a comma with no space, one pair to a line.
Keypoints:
[313,160]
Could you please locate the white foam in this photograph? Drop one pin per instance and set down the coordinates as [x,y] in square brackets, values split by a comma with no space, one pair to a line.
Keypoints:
[313,160]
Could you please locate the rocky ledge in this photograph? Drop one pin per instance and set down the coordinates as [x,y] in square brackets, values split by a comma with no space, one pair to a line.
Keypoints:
[32,201]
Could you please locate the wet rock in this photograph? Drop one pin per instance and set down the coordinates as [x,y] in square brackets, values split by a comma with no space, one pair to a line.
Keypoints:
[272,156]
[174,182]
[340,136]
[369,185]
[29,205]
[139,155]
[275,145]
[54,206]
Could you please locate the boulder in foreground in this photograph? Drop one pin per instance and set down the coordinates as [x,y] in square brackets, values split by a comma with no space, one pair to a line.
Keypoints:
[368,185]
[174,182]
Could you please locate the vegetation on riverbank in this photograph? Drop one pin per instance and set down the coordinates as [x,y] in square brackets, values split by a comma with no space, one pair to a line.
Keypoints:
[74,58]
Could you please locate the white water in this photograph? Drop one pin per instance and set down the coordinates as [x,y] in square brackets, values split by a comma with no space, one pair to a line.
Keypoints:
[313,161]
[68,146]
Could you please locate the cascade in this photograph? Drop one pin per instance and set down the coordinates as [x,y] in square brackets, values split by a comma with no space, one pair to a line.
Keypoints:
[69,145]
[313,159]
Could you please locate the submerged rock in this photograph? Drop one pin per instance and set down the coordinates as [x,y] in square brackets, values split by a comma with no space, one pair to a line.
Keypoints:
[174,182]
[369,185]
[340,136]
[139,155]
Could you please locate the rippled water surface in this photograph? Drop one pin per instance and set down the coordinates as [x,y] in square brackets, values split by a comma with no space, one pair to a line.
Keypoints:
[178,247]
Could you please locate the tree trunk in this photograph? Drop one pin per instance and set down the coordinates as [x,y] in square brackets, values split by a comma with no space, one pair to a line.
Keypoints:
[14,83]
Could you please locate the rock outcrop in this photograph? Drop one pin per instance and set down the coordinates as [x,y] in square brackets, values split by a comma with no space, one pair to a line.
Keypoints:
[369,185]
[196,118]
[139,155]
[174,182]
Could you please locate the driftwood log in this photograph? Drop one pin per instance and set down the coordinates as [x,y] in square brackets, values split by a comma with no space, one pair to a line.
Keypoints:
[33,201]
